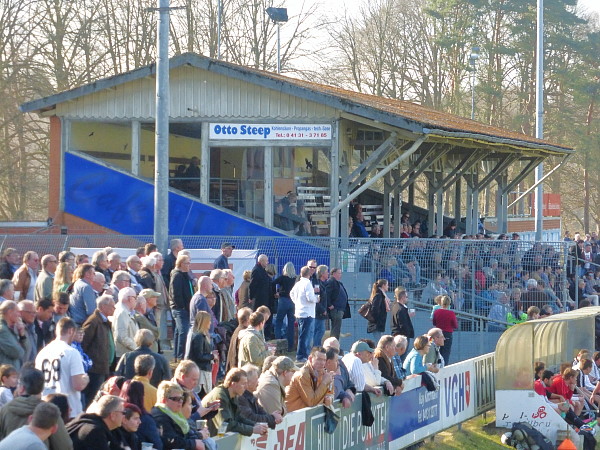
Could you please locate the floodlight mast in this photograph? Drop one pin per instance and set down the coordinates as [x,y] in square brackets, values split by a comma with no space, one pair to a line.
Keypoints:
[278,16]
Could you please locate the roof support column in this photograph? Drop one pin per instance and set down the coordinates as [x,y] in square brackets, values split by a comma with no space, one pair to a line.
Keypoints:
[457,200]
[501,204]
[431,209]
[204,162]
[268,174]
[135,147]
[472,203]
[397,207]
[343,212]
[387,210]
[334,183]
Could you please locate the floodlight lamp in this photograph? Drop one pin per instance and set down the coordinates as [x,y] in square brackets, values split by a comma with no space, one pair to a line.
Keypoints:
[277,14]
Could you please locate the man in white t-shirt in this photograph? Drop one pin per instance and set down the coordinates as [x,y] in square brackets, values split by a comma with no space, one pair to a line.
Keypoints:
[63,367]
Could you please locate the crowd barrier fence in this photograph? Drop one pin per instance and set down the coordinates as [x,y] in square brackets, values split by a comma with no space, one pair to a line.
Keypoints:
[466,389]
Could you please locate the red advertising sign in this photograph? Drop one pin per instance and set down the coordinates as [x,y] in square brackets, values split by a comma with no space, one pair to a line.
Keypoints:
[551,205]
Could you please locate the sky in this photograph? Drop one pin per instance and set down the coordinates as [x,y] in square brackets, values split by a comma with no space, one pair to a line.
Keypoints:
[336,5]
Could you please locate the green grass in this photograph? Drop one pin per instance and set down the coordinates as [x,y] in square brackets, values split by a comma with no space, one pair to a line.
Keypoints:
[478,433]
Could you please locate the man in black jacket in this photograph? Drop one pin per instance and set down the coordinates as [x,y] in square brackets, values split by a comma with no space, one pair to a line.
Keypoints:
[93,431]
[401,322]
[322,274]
[337,298]
[248,403]
[144,340]
[260,283]
[169,260]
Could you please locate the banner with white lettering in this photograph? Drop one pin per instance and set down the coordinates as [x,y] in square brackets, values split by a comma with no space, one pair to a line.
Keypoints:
[270,132]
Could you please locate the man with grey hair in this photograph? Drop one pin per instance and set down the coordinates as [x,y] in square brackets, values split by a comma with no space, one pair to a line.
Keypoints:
[199,303]
[27,313]
[401,343]
[248,403]
[169,261]
[144,366]
[26,276]
[7,290]
[98,343]
[162,304]
[434,355]
[123,326]
[227,301]
[13,338]
[146,272]
[83,297]
[143,321]
[94,430]
[45,280]
[144,340]
[43,424]
[114,261]
[259,290]
[134,264]
[120,280]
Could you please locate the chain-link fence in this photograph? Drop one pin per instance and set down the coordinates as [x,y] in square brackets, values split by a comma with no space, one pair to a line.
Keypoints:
[482,276]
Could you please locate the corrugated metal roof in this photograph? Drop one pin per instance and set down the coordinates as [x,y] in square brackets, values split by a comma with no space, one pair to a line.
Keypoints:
[403,114]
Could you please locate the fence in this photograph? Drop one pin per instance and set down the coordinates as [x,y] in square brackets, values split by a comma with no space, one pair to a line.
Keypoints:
[474,272]
[464,392]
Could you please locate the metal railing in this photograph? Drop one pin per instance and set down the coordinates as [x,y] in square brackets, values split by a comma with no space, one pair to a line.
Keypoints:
[475,273]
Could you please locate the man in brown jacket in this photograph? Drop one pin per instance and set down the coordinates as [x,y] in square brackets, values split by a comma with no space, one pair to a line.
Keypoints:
[311,385]
[25,277]
[243,317]
[99,344]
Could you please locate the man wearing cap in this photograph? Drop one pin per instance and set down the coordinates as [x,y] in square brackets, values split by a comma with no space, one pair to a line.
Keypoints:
[360,353]
[272,383]
[222,262]
[312,385]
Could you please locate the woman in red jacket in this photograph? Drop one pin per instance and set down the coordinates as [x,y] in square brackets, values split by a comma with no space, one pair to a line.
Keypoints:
[445,319]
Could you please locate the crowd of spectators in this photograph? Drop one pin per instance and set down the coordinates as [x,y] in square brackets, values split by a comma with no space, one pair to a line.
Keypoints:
[83,337]
[90,335]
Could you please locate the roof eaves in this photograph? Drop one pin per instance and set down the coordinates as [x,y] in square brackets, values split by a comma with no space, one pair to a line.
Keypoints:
[500,141]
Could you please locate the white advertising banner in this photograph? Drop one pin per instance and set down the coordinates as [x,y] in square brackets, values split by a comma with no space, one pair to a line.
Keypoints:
[527,406]
[202,259]
[270,132]
[289,434]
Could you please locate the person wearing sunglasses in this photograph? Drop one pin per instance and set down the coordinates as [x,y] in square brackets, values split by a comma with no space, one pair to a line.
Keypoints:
[169,417]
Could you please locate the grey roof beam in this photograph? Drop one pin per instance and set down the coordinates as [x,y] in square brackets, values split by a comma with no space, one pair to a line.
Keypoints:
[419,169]
[356,177]
[502,164]
[379,175]
[541,180]
[464,166]
[528,169]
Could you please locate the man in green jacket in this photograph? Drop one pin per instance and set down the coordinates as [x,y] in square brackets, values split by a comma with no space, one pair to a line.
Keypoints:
[253,349]
[235,384]
[16,413]
[13,337]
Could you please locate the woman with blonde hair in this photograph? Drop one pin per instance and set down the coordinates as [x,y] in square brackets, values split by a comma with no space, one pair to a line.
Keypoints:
[379,309]
[200,350]
[285,308]
[169,417]
[63,277]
